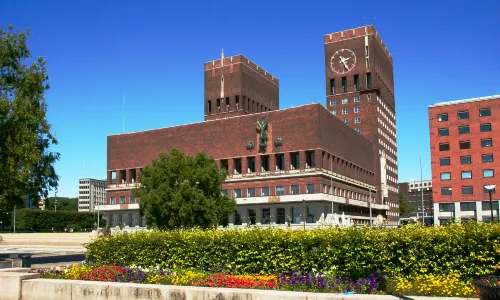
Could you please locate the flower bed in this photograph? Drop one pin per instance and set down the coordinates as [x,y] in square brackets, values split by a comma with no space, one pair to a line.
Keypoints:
[293,281]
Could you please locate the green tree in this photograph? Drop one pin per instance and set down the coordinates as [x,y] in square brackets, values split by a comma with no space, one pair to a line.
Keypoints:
[63,203]
[404,207]
[178,190]
[26,164]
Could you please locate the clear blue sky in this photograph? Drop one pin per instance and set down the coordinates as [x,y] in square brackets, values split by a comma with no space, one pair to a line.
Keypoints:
[154,52]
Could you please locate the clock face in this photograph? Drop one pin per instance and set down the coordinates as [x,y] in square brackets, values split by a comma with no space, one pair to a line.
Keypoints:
[343,61]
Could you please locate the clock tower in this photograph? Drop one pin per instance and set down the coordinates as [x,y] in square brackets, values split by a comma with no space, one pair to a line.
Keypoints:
[360,92]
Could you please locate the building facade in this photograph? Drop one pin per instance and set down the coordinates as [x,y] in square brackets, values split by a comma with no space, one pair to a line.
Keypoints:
[465,139]
[92,192]
[413,192]
[360,92]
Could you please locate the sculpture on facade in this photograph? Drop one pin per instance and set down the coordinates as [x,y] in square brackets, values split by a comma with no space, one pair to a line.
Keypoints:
[262,127]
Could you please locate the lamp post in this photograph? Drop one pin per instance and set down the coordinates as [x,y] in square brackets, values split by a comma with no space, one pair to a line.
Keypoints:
[490,189]
[370,204]
[304,210]
[422,189]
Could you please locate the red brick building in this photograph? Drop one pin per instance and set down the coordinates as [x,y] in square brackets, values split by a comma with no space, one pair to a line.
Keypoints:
[465,139]
[294,164]
[360,92]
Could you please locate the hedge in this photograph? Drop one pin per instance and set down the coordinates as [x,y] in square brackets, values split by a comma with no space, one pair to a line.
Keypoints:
[470,250]
[42,220]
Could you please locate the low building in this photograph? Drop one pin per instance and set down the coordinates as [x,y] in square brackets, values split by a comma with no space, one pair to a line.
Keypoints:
[413,192]
[92,192]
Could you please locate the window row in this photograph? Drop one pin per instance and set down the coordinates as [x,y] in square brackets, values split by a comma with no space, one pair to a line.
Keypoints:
[266,191]
[281,216]
[344,101]
[123,200]
[466,144]
[265,163]
[127,176]
[488,173]
[356,121]
[354,86]
[248,105]
[486,127]
[466,159]
[466,206]
[466,190]
[464,114]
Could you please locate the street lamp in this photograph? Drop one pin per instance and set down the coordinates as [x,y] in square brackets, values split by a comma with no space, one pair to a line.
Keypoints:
[490,189]
[304,210]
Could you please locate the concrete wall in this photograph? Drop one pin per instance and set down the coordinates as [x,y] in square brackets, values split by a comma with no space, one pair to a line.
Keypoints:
[29,286]
[46,239]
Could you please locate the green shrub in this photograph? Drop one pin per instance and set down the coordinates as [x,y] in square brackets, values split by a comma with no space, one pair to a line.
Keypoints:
[41,220]
[470,250]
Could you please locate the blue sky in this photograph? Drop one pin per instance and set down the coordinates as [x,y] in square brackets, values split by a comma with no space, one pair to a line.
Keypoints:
[154,52]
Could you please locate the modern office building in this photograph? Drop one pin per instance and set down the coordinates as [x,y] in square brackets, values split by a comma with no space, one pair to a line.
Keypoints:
[360,92]
[299,164]
[413,192]
[465,140]
[92,192]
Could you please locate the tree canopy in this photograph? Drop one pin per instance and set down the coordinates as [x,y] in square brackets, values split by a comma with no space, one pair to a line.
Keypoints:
[26,164]
[404,207]
[63,203]
[177,190]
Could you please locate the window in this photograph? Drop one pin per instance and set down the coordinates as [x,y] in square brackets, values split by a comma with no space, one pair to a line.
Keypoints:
[209,106]
[488,173]
[357,109]
[333,102]
[466,174]
[356,82]
[251,192]
[464,144]
[465,160]
[252,215]
[444,147]
[345,101]
[281,215]
[310,189]
[113,200]
[486,205]
[237,193]
[251,164]
[344,84]
[346,121]
[467,206]
[446,191]
[446,207]
[486,143]
[237,217]
[310,159]
[264,163]
[237,166]
[445,176]
[311,214]
[265,191]
[133,199]
[463,129]
[332,86]
[334,112]
[266,215]
[357,120]
[358,130]
[280,162]
[280,190]
[444,161]
[296,215]
[356,98]
[443,132]
[122,200]
[442,117]
[294,161]
[369,80]
[485,127]
[485,112]
[294,190]
[345,111]
[463,114]
[486,191]
[487,157]
[223,192]
[467,190]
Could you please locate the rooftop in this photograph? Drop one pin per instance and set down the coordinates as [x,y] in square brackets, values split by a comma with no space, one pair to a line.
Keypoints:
[466,100]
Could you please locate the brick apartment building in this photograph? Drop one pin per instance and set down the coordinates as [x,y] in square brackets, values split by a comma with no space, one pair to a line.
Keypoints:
[360,92]
[413,192]
[465,139]
[279,161]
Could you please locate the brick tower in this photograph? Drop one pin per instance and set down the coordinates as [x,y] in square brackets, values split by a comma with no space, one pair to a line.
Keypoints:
[236,86]
[360,92]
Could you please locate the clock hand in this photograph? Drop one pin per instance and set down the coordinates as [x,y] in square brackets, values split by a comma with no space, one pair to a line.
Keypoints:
[343,61]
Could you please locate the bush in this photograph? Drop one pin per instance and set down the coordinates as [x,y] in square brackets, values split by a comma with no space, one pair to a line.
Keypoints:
[42,220]
[470,249]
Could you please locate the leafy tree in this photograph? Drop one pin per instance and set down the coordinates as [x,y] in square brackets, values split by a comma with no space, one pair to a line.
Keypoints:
[26,164]
[178,190]
[63,203]
[404,207]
